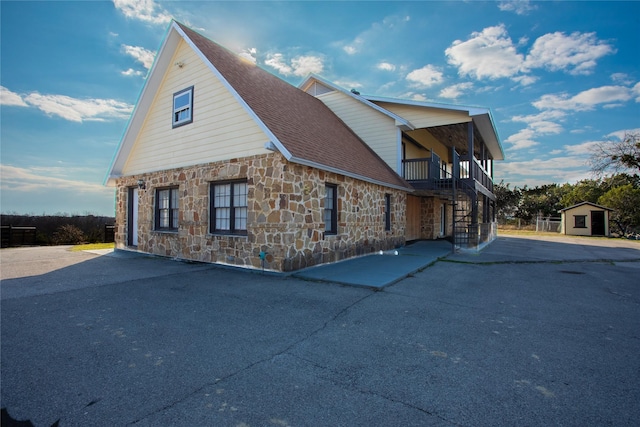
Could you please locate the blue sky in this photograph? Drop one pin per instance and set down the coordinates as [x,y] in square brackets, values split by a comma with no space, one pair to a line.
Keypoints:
[558,76]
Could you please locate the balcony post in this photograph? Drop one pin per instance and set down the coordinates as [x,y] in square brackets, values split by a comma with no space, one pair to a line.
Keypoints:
[470,149]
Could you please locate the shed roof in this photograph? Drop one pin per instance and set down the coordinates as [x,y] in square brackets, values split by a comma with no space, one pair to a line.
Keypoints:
[585,203]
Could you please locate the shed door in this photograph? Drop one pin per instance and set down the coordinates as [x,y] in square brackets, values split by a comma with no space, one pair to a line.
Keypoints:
[597,223]
[413,218]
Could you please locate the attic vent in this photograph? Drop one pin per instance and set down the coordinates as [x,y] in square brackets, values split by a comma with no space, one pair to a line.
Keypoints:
[318,89]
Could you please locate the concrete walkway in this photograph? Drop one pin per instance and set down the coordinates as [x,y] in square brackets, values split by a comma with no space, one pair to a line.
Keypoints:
[377,271]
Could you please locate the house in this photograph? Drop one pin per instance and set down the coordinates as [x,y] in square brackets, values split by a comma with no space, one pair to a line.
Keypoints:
[224,162]
[585,219]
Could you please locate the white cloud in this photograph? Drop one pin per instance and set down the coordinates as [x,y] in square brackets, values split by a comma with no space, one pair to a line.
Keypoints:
[143,10]
[538,125]
[34,179]
[303,65]
[426,76]
[455,91]
[276,60]
[576,53]
[132,72]
[621,78]
[519,7]
[79,110]
[620,134]
[543,171]
[249,54]
[492,54]
[377,32]
[386,66]
[354,46]
[68,108]
[582,149]
[586,100]
[140,54]
[636,91]
[11,98]
[300,65]
[487,54]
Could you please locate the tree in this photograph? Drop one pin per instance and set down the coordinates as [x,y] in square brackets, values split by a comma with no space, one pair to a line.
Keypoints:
[507,200]
[625,200]
[540,201]
[588,190]
[616,155]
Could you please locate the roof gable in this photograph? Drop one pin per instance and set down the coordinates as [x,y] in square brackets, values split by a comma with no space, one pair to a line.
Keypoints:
[586,203]
[300,126]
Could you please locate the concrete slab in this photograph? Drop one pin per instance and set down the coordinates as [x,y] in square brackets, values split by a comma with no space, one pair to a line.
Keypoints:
[379,270]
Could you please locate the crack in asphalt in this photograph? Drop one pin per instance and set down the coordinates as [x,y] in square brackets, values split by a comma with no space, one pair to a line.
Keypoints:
[349,384]
[258,362]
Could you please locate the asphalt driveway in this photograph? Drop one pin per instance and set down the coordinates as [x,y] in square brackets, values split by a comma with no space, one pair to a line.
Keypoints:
[528,332]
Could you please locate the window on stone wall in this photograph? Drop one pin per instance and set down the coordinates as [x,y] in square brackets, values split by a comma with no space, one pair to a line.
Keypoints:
[166,209]
[331,209]
[387,212]
[580,221]
[229,207]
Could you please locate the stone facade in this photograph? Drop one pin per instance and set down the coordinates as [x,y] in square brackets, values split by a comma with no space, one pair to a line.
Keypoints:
[430,217]
[285,215]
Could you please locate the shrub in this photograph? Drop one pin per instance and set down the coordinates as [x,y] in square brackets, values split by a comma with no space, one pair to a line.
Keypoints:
[68,235]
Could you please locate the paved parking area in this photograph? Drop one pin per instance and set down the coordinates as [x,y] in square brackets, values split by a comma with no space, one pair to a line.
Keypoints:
[528,332]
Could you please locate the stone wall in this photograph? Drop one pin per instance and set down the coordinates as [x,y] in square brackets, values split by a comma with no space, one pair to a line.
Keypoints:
[285,215]
[430,217]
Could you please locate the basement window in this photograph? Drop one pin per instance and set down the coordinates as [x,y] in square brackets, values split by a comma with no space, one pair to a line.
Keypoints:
[183,107]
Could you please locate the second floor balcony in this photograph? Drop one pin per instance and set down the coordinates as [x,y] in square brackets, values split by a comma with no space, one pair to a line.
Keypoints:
[430,173]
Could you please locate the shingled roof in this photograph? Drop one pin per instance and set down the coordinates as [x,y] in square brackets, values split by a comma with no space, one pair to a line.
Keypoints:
[307,131]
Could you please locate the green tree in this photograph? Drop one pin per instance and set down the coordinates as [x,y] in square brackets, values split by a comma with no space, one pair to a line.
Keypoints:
[588,190]
[544,200]
[625,200]
[507,200]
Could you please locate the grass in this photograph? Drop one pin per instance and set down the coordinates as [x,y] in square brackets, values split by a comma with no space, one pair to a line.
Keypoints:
[92,246]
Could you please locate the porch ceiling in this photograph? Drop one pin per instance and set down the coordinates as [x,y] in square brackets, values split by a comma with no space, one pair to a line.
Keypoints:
[456,136]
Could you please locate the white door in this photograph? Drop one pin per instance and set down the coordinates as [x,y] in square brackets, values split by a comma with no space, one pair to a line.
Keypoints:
[132,226]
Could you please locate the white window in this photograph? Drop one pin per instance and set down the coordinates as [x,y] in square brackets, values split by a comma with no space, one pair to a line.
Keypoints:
[183,107]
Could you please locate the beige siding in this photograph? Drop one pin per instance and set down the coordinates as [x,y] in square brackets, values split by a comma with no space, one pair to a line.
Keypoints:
[428,141]
[221,128]
[422,117]
[569,220]
[376,129]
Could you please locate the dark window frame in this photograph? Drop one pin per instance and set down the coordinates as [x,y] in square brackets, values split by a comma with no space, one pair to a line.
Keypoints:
[387,212]
[172,209]
[174,111]
[234,229]
[330,209]
[580,221]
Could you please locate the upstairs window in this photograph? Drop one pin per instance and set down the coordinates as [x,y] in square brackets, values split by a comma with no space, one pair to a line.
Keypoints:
[183,107]
[331,209]
[229,207]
